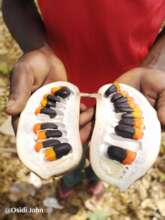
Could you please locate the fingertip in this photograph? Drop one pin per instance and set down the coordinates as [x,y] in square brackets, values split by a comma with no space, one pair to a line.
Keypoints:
[11,111]
[10,107]
[13,107]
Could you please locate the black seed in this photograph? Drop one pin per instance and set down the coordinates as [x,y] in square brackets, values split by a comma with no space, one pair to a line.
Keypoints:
[48,125]
[50,104]
[116,96]
[122,109]
[53,133]
[126,121]
[62,149]
[121,105]
[121,100]
[64,92]
[48,111]
[127,115]
[125,131]
[53,98]
[116,153]
[50,143]
[110,90]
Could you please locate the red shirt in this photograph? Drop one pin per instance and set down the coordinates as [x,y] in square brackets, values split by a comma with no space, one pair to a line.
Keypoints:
[98,40]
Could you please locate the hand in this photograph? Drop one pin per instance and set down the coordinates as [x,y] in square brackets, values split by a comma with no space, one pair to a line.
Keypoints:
[151,82]
[33,70]
[86,123]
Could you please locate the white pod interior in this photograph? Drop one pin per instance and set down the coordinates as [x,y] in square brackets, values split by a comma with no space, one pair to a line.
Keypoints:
[67,120]
[147,148]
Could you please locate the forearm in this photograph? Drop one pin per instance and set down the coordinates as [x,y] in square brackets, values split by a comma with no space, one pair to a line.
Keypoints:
[156,56]
[24,23]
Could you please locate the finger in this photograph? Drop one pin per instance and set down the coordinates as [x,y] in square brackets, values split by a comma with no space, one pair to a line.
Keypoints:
[83,107]
[85,132]
[129,79]
[161,108]
[86,116]
[20,89]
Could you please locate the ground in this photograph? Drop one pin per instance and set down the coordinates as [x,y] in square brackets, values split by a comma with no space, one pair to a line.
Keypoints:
[145,200]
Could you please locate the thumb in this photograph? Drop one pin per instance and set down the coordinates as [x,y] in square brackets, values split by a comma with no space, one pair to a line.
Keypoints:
[20,90]
[161,107]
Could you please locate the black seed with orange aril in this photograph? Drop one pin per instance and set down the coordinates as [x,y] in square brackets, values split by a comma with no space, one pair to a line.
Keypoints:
[46,103]
[116,153]
[123,109]
[125,131]
[44,144]
[127,121]
[110,90]
[121,155]
[53,98]
[134,114]
[43,126]
[57,151]
[62,149]
[121,100]
[64,92]
[127,115]
[49,134]
[121,105]
[47,111]
[116,97]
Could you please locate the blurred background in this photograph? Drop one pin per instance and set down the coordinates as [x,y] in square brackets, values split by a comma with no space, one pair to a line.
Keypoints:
[145,200]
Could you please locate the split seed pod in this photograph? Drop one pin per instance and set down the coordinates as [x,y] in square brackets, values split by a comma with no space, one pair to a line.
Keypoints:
[125,140]
[137,136]
[35,122]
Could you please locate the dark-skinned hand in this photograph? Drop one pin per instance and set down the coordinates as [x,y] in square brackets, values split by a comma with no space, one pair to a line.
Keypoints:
[151,82]
[34,69]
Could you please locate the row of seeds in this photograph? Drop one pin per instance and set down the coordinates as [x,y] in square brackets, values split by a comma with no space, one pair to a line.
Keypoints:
[48,133]
[131,124]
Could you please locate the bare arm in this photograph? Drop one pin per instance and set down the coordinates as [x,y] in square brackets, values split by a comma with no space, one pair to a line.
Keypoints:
[24,23]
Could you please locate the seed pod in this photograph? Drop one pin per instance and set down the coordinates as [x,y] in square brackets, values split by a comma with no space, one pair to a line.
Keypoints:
[57,151]
[43,126]
[48,143]
[113,88]
[52,98]
[47,111]
[64,92]
[49,134]
[128,132]
[47,103]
